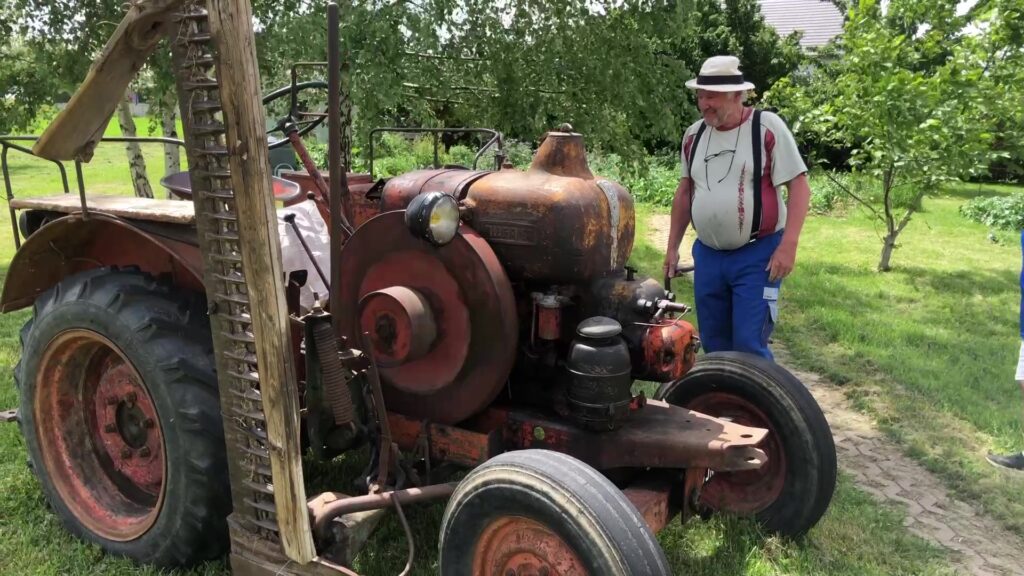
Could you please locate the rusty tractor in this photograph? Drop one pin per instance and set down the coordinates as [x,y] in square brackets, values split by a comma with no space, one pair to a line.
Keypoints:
[173,383]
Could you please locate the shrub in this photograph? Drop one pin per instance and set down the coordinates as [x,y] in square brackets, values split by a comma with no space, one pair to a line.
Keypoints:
[1002,212]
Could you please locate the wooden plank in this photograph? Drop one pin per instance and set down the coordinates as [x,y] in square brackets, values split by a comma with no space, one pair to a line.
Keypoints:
[149,209]
[79,126]
[231,27]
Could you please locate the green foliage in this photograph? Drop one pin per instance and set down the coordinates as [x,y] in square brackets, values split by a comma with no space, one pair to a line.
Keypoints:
[1002,212]
[912,93]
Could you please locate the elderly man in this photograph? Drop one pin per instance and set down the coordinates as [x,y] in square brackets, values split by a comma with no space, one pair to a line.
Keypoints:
[733,162]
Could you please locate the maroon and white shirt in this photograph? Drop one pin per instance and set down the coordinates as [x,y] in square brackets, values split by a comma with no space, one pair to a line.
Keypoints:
[723,179]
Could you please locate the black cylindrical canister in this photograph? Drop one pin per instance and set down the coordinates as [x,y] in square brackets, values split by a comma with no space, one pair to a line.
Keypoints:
[599,393]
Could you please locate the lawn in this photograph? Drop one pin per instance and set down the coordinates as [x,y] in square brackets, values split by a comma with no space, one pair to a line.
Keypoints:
[857,536]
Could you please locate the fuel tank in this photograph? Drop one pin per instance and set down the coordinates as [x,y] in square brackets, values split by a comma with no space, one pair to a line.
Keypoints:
[555,222]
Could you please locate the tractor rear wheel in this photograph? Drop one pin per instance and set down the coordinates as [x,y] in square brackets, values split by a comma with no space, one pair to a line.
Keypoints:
[539,512]
[791,492]
[121,418]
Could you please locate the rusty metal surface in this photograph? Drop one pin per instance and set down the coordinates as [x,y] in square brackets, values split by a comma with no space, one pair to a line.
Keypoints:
[9,415]
[751,491]
[554,223]
[654,498]
[443,443]
[516,545]
[470,298]
[328,506]
[358,207]
[106,456]
[669,351]
[400,190]
[400,324]
[656,436]
[73,243]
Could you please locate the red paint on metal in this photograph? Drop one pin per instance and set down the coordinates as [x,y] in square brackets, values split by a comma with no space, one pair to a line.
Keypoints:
[72,244]
[94,418]
[126,425]
[400,324]
[358,207]
[743,492]
[472,303]
[524,547]
[549,323]
[668,351]
[445,443]
[652,498]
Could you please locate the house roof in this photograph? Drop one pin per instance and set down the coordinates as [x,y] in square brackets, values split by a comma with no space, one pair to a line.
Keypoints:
[819,20]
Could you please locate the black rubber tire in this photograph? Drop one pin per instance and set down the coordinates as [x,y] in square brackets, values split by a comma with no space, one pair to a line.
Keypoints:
[805,435]
[166,337]
[568,497]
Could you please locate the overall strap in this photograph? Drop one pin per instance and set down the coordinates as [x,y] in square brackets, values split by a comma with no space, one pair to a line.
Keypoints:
[689,162]
[755,138]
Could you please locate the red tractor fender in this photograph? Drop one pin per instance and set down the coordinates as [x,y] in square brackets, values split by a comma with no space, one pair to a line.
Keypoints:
[75,243]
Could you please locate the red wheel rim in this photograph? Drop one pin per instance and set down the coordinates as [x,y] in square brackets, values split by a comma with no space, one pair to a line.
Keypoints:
[750,491]
[518,546]
[99,435]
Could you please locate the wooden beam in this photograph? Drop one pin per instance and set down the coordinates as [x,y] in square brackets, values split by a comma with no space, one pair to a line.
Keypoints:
[243,115]
[80,125]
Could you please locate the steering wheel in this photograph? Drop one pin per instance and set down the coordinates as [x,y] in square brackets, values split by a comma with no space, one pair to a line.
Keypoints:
[304,120]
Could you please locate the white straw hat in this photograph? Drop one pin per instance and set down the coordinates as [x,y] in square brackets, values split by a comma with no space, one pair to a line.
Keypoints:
[720,74]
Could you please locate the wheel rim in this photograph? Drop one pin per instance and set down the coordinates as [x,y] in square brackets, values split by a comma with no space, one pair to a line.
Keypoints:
[99,434]
[746,492]
[518,546]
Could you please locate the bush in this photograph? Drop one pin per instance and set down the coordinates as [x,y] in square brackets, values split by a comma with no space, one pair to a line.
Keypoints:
[1002,212]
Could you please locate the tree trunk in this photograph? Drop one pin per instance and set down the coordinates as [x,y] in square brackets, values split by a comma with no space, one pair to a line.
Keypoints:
[888,243]
[168,120]
[136,162]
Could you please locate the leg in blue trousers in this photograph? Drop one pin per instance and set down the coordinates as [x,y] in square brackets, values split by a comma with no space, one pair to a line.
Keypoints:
[712,299]
[755,300]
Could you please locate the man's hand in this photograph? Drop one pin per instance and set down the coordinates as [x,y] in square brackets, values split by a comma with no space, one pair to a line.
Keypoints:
[782,262]
[671,262]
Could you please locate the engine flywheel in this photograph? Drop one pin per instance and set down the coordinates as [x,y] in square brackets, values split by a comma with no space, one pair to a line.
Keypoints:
[441,321]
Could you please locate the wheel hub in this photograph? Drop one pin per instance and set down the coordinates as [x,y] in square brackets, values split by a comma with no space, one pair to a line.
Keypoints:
[518,546]
[750,491]
[126,421]
[99,435]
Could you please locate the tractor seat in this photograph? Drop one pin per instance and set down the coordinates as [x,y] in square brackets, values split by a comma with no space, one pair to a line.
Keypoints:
[179,183]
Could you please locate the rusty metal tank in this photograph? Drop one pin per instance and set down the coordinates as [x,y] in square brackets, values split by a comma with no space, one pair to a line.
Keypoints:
[555,222]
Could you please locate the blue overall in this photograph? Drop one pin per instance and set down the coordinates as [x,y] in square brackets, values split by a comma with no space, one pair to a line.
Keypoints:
[736,304]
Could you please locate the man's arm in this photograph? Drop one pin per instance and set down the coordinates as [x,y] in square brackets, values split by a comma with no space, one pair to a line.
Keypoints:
[677,227]
[784,258]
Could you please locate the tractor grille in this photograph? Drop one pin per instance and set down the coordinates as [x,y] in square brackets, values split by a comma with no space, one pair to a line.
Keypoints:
[217,225]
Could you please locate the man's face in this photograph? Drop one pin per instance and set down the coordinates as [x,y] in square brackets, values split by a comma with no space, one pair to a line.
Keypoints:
[719,108]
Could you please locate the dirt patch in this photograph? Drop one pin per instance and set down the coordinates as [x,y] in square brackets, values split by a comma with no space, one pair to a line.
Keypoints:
[980,546]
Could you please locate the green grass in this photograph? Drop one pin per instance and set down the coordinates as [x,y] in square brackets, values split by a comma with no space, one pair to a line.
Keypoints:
[856,537]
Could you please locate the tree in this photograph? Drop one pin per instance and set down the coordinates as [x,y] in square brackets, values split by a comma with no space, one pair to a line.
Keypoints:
[915,99]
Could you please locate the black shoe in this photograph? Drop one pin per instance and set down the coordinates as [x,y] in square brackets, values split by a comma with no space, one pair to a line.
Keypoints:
[1010,461]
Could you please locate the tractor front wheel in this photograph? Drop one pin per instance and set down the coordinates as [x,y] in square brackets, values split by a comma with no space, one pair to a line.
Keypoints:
[539,512]
[790,493]
[121,418]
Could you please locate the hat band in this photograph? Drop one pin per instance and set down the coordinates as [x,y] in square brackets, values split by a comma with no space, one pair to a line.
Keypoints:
[719,80]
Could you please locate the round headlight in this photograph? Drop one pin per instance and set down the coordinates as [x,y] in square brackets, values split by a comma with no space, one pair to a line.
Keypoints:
[433,216]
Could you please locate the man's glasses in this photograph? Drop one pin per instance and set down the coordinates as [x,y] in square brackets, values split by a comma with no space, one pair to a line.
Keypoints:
[709,157]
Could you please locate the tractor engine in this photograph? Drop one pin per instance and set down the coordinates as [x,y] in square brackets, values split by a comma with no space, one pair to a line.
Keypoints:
[529,300]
